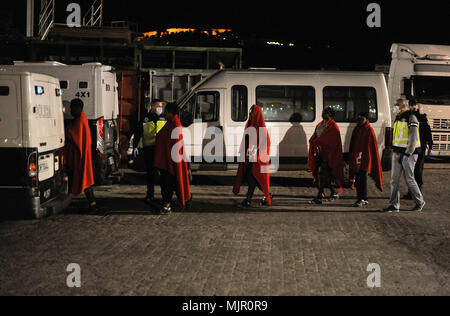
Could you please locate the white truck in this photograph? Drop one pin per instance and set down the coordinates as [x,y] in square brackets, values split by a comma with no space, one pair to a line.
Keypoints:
[96,85]
[423,72]
[33,182]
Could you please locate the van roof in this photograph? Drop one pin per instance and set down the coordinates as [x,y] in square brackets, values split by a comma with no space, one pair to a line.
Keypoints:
[299,72]
[56,63]
[13,72]
[422,50]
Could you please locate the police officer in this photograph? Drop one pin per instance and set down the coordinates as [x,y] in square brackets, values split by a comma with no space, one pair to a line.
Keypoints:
[147,129]
[426,140]
[406,148]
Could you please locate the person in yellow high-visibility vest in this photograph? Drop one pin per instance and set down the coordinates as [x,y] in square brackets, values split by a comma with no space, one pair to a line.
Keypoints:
[406,148]
[147,129]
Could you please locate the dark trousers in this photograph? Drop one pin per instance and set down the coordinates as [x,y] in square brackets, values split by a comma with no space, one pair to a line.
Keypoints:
[251,181]
[168,186]
[324,179]
[361,185]
[89,192]
[152,173]
[418,170]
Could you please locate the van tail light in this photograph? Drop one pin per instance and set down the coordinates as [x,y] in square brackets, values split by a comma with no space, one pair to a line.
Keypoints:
[32,169]
[388,138]
[100,137]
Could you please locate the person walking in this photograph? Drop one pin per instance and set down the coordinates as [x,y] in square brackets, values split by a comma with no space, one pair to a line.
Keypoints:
[170,160]
[78,151]
[254,169]
[406,148]
[426,142]
[364,159]
[325,158]
[147,129]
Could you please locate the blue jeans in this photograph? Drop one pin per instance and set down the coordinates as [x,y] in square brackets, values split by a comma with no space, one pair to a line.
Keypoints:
[398,167]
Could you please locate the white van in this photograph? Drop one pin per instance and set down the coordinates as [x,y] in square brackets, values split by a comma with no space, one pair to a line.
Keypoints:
[292,104]
[423,72]
[96,85]
[33,180]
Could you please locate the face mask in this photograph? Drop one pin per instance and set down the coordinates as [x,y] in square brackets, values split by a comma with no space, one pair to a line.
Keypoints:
[159,111]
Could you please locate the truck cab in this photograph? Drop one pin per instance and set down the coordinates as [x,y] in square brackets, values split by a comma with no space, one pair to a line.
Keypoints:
[33,182]
[423,72]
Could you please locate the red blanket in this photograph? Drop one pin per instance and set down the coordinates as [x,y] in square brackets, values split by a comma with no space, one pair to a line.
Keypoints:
[165,147]
[329,147]
[260,167]
[364,153]
[79,160]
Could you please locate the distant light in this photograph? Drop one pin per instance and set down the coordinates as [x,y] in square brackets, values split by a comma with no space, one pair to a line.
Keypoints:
[291,45]
[275,43]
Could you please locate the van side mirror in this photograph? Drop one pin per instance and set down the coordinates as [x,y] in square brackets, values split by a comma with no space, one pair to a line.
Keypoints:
[407,88]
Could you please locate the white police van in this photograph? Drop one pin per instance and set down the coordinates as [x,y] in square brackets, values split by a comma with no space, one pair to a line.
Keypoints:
[33,182]
[97,86]
[292,103]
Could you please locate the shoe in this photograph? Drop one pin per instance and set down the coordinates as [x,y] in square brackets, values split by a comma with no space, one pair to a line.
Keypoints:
[361,203]
[418,208]
[166,210]
[264,201]
[246,203]
[391,209]
[407,196]
[316,201]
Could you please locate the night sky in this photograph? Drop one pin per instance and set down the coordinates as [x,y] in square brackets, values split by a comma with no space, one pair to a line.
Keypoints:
[337,26]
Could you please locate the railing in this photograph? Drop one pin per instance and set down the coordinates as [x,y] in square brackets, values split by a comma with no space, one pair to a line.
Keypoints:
[46,18]
[94,16]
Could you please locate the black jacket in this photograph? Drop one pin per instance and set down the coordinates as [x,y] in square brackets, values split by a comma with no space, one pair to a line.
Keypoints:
[426,137]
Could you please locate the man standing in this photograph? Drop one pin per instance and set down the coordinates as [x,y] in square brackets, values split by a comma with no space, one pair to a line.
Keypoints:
[364,159]
[325,158]
[147,129]
[79,159]
[255,168]
[426,140]
[406,148]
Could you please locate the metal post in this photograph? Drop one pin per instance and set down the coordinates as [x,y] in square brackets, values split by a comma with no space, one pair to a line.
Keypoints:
[30,18]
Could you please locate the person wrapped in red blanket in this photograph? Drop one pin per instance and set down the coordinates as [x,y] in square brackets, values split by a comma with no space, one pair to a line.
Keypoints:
[255,153]
[364,159]
[78,151]
[325,157]
[170,159]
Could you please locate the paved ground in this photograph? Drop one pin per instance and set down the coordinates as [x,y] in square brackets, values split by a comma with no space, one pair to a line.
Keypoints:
[292,249]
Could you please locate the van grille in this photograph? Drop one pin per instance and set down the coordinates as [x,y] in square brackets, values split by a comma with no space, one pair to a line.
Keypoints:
[441,147]
[441,138]
[441,124]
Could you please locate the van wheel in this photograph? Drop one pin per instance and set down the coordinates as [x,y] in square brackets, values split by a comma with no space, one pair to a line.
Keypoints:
[386,160]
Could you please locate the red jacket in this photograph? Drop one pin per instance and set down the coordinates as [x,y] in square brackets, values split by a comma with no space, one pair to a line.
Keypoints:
[364,153]
[260,168]
[329,147]
[165,146]
[79,160]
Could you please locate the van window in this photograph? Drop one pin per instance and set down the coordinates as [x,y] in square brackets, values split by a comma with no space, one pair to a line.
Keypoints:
[239,104]
[83,85]
[207,107]
[287,103]
[4,90]
[348,102]
[64,84]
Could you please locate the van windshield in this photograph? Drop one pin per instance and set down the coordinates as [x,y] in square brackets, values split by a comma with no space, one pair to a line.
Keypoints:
[432,90]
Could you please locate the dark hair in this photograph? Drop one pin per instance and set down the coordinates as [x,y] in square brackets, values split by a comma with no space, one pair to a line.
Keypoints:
[329,110]
[172,108]
[364,114]
[77,103]
[157,101]
[412,101]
